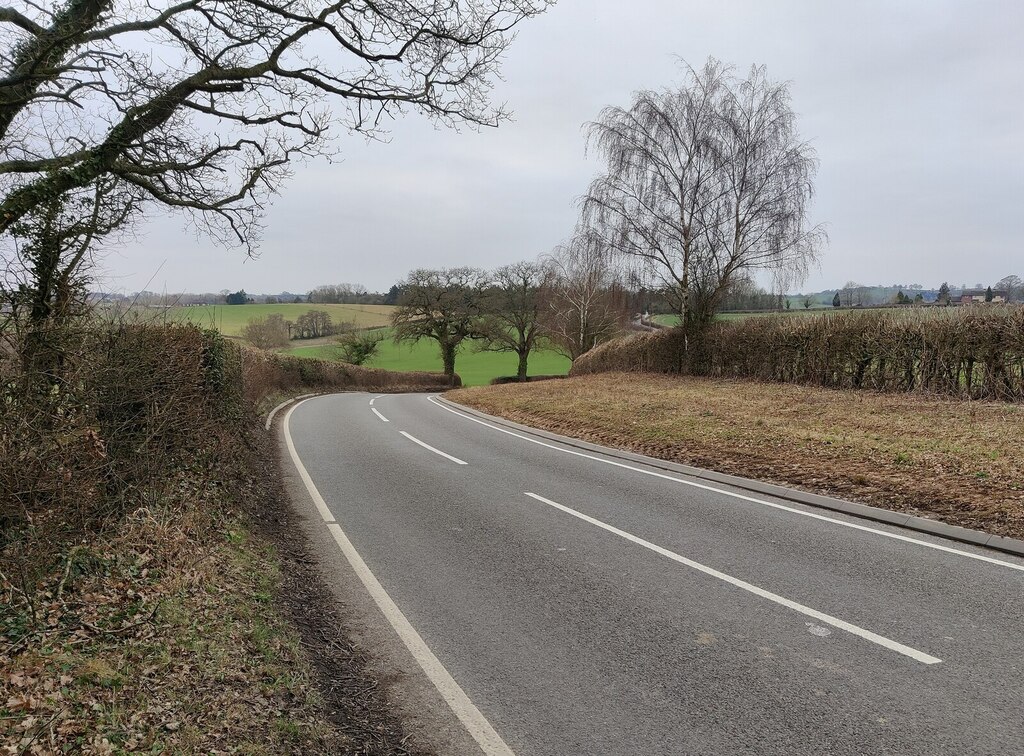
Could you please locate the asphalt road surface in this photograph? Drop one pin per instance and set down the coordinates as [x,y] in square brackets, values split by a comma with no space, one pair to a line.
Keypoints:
[586,605]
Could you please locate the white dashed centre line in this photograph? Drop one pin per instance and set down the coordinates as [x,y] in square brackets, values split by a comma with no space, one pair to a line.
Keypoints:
[827,619]
[415,440]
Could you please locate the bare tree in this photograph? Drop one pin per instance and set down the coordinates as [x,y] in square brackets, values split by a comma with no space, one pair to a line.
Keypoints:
[512,309]
[343,293]
[705,183]
[270,332]
[583,303]
[853,291]
[201,105]
[442,305]
[1013,286]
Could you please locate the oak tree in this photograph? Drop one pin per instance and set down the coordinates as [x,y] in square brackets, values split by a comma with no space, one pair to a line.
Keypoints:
[441,305]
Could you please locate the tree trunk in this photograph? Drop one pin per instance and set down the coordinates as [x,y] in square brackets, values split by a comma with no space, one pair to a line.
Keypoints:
[521,372]
[42,354]
[448,358]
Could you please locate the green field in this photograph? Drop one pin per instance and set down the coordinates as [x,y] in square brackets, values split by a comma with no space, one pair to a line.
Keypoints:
[475,368]
[230,319]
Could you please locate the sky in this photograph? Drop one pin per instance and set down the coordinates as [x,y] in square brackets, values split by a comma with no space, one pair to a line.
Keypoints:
[916,110]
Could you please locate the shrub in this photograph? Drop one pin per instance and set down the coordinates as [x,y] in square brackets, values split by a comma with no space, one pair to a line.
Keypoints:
[357,347]
[270,332]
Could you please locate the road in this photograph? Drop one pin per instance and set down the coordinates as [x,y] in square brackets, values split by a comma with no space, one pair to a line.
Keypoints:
[586,605]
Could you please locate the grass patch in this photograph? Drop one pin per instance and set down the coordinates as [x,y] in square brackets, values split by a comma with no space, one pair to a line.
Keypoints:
[961,462]
[475,368]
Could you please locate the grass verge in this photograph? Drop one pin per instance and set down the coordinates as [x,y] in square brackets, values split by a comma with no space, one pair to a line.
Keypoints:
[960,462]
[158,634]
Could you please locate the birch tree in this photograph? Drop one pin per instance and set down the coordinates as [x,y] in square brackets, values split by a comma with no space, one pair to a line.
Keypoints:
[583,302]
[704,183]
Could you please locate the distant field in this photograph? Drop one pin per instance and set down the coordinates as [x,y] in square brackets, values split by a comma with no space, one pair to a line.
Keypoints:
[230,319]
[475,368]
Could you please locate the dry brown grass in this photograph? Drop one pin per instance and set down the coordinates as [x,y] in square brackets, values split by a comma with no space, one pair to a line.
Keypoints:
[961,462]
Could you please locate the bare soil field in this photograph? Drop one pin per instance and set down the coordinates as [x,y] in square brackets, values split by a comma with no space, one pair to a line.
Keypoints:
[955,461]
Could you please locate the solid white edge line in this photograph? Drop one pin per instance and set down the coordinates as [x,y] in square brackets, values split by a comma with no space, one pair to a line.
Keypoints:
[733,494]
[374,411]
[321,505]
[412,438]
[828,619]
[472,718]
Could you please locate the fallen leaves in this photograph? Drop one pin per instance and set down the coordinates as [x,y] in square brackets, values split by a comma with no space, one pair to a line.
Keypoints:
[146,638]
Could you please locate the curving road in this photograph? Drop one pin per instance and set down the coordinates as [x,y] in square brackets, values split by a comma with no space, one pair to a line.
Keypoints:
[566,602]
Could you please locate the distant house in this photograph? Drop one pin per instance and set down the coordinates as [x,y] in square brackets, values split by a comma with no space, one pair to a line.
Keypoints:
[976,296]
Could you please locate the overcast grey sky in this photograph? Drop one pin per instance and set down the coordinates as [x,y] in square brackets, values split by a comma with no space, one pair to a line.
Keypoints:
[916,110]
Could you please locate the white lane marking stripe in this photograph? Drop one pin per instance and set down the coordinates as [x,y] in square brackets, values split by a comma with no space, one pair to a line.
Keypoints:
[733,494]
[472,718]
[828,619]
[374,411]
[379,396]
[412,438]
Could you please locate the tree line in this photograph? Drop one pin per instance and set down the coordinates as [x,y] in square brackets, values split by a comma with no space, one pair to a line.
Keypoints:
[570,301]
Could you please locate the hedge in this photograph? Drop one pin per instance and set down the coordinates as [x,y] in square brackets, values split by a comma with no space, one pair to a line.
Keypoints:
[969,352]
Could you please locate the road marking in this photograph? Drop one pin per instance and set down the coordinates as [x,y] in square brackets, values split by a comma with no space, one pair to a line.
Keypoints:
[412,438]
[827,619]
[379,396]
[472,718]
[321,505]
[733,494]
[374,411]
